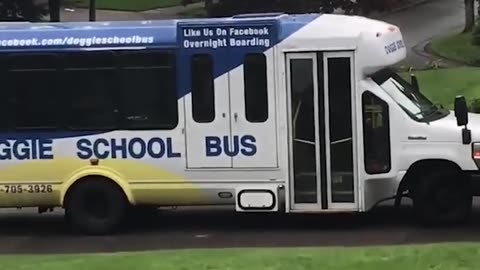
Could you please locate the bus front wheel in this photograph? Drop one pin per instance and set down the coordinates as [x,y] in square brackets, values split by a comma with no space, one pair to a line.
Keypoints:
[95,207]
[442,197]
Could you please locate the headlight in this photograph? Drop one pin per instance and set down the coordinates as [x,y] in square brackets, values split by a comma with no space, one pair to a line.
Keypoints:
[476,151]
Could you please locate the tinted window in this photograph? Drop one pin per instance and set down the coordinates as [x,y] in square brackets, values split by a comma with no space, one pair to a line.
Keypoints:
[340,124]
[5,96]
[89,90]
[203,97]
[376,133]
[148,90]
[303,120]
[32,91]
[92,80]
[256,97]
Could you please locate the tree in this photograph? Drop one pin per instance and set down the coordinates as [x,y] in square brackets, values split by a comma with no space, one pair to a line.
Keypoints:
[92,11]
[469,15]
[54,10]
[26,10]
[478,9]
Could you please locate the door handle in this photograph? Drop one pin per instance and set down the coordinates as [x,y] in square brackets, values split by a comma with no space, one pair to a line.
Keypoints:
[235,116]
[223,115]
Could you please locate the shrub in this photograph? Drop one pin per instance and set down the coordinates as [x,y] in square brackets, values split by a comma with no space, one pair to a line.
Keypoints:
[475,106]
[27,10]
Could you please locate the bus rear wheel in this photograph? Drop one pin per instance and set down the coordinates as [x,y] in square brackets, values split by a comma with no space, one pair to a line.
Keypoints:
[95,207]
[442,197]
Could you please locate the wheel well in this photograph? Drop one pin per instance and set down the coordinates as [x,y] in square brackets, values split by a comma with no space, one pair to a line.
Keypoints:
[93,178]
[416,169]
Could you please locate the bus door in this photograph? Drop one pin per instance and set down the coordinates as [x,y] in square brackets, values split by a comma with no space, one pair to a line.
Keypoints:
[322,141]
[252,93]
[207,112]
[230,119]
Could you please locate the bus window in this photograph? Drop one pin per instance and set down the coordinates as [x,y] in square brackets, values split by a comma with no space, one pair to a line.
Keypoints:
[303,115]
[34,93]
[203,96]
[255,79]
[148,92]
[376,133]
[92,82]
[340,125]
[5,118]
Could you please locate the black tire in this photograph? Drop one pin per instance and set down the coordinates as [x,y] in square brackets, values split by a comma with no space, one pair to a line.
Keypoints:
[95,207]
[442,197]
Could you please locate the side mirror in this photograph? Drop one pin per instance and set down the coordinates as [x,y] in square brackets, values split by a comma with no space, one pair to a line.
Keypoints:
[414,82]
[461,111]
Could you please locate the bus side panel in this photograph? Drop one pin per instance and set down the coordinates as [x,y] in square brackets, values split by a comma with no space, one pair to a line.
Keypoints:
[150,156]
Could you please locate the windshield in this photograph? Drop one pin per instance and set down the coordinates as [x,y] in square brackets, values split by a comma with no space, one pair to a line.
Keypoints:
[417,106]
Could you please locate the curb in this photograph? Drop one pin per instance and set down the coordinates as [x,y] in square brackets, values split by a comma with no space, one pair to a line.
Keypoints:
[85,9]
[428,49]
[424,49]
[151,10]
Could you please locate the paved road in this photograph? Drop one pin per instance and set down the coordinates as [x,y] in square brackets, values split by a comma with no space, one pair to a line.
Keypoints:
[27,232]
[419,24]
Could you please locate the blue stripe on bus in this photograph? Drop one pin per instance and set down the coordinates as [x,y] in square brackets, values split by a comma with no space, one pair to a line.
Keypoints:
[164,32]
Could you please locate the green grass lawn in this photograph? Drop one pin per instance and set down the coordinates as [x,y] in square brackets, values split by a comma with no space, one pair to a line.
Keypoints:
[457,47]
[127,5]
[437,257]
[442,85]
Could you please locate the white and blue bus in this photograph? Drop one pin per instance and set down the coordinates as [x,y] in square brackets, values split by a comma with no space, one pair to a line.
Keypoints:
[263,112]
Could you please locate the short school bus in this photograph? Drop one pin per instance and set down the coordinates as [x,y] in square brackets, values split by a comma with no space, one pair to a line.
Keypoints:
[263,112]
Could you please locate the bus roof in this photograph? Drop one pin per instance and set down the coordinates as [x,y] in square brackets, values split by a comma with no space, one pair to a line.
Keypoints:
[120,34]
